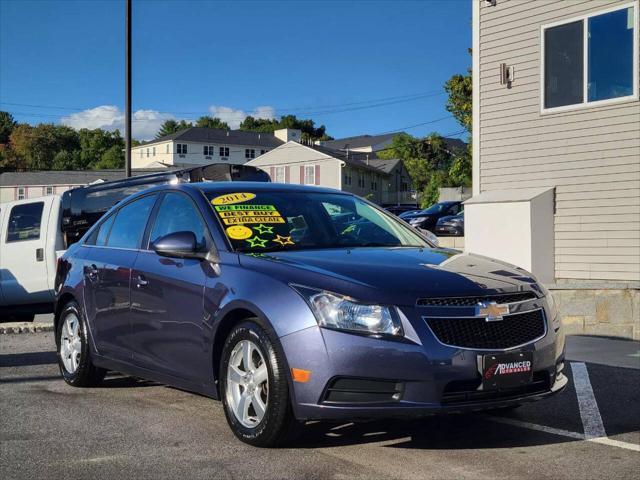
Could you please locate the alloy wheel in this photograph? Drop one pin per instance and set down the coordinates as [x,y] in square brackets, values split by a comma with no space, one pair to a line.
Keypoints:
[70,343]
[247,383]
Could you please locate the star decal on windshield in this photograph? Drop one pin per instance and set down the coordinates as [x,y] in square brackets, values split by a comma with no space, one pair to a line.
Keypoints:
[262,229]
[257,242]
[283,240]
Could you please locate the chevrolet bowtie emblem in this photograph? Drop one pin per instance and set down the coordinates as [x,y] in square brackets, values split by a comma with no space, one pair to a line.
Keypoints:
[491,311]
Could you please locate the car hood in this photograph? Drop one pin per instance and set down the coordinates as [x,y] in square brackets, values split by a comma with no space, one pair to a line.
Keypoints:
[392,275]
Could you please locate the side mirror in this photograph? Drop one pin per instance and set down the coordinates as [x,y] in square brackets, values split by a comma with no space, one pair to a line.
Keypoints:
[178,244]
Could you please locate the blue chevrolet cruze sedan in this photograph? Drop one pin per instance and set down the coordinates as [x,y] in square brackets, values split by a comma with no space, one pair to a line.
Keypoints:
[291,303]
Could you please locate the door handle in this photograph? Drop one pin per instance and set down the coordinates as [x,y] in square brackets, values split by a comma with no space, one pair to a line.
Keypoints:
[39,254]
[141,281]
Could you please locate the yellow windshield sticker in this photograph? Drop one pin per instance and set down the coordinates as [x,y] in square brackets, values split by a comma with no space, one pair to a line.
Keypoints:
[239,232]
[240,214]
[231,198]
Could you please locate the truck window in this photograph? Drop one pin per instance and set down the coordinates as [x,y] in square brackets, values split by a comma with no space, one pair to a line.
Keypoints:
[24,222]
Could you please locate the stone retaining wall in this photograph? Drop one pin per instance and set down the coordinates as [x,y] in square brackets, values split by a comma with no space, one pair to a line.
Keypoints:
[608,309]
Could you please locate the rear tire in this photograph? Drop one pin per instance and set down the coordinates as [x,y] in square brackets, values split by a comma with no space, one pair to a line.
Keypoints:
[72,346]
[258,409]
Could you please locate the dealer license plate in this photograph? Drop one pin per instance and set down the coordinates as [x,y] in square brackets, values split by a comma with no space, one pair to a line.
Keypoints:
[508,370]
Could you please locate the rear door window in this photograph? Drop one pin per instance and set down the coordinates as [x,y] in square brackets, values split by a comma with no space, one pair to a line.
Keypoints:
[130,223]
[24,222]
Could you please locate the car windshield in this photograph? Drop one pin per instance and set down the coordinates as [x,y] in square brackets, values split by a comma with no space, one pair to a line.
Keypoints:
[268,221]
[437,208]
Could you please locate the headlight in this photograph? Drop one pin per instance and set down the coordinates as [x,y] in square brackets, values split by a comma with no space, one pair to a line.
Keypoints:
[343,313]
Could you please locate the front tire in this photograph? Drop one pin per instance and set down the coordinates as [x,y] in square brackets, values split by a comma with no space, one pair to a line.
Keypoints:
[254,387]
[74,356]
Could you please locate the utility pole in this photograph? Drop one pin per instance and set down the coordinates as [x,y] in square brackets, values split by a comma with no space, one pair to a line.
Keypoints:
[127,100]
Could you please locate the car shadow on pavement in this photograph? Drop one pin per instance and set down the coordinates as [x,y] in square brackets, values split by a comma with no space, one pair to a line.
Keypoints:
[432,433]
[28,359]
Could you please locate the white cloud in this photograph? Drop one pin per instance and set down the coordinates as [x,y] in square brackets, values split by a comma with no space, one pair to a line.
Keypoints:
[145,123]
[234,117]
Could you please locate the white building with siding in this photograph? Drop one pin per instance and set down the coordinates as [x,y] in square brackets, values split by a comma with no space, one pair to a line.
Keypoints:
[555,105]
[202,146]
[385,182]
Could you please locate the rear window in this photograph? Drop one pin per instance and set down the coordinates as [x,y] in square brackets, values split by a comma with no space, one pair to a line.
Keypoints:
[24,222]
[270,221]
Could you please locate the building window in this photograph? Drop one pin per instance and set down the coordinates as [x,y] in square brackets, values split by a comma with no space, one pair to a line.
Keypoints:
[360,179]
[147,153]
[249,153]
[167,149]
[280,175]
[309,175]
[590,59]
[154,151]
[48,190]
[404,187]
[141,153]
[182,148]
[262,152]
[347,176]
[208,150]
[224,151]
[21,193]
[374,182]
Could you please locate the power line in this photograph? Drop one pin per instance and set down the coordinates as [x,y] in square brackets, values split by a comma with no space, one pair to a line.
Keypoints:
[322,109]
[406,97]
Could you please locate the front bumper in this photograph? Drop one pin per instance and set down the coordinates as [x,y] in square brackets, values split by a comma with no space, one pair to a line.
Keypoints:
[426,372]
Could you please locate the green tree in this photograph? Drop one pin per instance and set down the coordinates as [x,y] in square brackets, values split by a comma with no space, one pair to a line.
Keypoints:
[7,124]
[38,145]
[308,128]
[113,158]
[460,101]
[171,126]
[211,122]
[460,104]
[426,159]
[65,160]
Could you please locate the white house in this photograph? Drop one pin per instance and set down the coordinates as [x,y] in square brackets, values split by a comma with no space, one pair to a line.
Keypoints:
[201,146]
[385,182]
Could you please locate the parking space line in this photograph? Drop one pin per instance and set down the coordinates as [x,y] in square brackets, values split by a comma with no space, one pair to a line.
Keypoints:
[565,433]
[589,413]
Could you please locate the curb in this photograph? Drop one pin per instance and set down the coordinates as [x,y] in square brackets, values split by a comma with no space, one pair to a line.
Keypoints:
[13,328]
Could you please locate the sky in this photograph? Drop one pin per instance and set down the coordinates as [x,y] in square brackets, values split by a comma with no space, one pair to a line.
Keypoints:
[358,67]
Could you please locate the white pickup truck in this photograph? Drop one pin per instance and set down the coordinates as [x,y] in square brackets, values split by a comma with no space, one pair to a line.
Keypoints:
[35,232]
[29,245]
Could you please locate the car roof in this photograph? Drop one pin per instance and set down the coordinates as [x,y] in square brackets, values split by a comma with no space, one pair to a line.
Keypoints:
[222,187]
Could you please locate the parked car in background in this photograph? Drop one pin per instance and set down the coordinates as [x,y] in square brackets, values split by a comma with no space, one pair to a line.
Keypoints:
[400,209]
[35,232]
[451,226]
[292,303]
[408,212]
[426,219]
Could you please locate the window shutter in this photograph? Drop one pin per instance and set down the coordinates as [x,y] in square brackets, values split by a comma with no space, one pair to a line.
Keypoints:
[317,175]
[287,175]
[302,174]
[272,173]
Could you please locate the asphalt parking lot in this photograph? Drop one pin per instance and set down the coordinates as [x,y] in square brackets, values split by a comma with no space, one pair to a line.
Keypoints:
[135,429]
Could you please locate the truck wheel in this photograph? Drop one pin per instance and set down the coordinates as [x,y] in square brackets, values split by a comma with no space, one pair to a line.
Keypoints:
[255,390]
[74,355]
